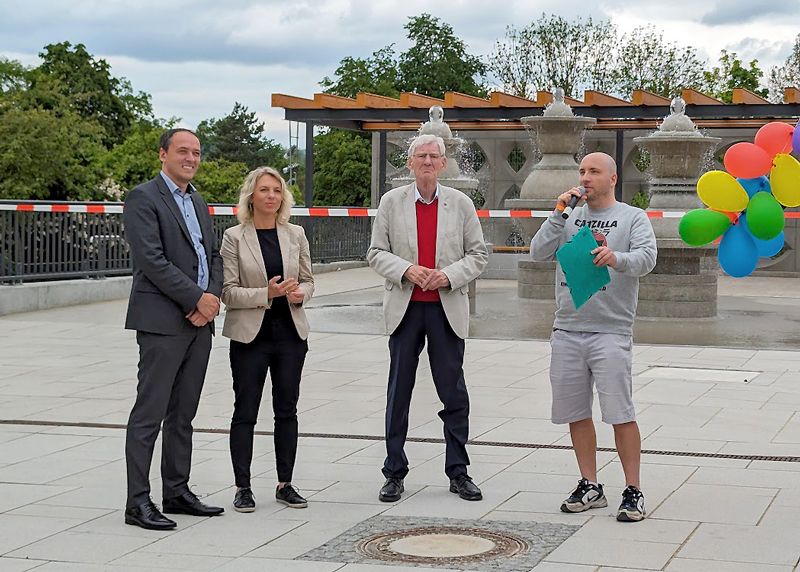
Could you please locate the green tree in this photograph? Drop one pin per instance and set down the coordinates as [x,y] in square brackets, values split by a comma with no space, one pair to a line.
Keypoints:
[343,175]
[135,160]
[14,77]
[720,81]
[786,75]
[554,52]
[239,138]
[70,77]
[377,74]
[44,155]
[646,61]
[219,180]
[438,61]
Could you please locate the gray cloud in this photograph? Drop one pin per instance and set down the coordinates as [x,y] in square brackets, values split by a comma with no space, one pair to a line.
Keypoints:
[743,11]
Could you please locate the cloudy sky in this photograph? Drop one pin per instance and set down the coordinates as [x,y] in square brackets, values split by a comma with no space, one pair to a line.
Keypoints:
[196,57]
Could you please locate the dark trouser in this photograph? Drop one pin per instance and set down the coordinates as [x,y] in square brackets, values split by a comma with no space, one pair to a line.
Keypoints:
[171,374]
[446,355]
[278,349]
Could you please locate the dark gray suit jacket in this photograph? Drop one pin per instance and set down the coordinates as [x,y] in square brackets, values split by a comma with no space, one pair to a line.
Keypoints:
[164,288]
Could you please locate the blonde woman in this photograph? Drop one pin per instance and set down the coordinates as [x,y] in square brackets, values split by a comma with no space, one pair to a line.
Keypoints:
[267,279]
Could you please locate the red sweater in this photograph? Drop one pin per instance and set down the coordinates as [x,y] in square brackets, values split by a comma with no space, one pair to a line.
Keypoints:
[426,245]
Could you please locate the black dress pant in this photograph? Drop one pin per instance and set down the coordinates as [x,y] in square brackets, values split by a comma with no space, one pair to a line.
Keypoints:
[172,369]
[426,320]
[277,349]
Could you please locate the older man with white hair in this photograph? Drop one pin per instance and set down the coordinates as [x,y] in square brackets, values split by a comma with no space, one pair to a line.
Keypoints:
[428,245]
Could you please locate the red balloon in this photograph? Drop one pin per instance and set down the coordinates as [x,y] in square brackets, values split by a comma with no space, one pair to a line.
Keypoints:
[775,137]
[747,161]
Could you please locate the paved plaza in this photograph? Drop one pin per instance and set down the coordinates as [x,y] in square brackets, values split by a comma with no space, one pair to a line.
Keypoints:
[728,501]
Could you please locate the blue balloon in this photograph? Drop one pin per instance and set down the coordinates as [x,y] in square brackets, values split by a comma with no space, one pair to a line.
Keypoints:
[765,248]
[753,186]
[738,255]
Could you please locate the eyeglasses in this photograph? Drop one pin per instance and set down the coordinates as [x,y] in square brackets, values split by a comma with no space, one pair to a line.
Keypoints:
[431,156]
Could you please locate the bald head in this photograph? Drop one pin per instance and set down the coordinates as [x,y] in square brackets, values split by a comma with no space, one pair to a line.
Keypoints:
[611,164]
[598,175]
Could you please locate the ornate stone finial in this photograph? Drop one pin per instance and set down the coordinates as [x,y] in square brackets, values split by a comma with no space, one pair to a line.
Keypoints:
[677,121]
[677,106]
[436,125]
[557,107]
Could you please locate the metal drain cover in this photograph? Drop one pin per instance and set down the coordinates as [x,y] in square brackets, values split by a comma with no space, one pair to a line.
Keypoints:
[441,545]
[477,545]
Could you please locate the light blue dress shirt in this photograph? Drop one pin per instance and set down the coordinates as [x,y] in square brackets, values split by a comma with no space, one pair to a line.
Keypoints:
[186,206]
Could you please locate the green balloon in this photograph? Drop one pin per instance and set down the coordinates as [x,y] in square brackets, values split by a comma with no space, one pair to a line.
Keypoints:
[701,226]
[764,216]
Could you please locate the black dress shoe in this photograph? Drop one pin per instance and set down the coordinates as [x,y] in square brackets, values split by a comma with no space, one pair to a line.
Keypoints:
[188,503]
[391,490]
[148,516]
[465,488]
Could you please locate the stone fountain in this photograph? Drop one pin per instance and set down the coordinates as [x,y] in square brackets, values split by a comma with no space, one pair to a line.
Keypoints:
[557,134]
[453,175]
[684,281]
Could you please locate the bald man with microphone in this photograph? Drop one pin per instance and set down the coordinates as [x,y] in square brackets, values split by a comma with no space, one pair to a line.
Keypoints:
[593,345]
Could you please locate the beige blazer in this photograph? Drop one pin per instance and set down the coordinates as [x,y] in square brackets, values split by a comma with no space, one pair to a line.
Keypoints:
[244,289]
[460,252]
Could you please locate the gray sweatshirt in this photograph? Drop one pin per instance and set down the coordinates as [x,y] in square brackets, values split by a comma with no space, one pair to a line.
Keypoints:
[624,229]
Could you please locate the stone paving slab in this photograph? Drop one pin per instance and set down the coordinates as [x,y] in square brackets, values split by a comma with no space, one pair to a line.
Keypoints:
[62,486]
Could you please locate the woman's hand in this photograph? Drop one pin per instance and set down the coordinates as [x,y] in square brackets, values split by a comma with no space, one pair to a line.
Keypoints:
[277,289]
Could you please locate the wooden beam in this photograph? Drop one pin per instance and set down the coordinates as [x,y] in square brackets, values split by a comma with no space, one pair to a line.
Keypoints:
[500,99]
[545,97]
[644,124]
[418,101]
[694,97]
[372,101]
[643,97]
[329,101]
[591,97]
[292,102]
[741,95]
[455,99]
[791,95]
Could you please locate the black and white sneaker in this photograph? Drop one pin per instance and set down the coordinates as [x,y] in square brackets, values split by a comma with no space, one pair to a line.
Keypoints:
[632,507]
[289,496]
[244,501]
[585,496]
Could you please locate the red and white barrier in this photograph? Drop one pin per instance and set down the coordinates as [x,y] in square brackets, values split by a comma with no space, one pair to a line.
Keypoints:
[100,208]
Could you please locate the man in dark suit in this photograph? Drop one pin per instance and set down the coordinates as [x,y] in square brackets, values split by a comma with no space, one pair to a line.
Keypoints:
[177,282]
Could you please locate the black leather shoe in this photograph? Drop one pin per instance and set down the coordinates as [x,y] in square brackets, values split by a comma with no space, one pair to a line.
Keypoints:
[391,490]
[188,503]
[148,516]
[465,488]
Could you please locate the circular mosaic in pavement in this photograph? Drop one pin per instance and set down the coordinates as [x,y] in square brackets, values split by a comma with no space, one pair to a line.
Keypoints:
[441,545]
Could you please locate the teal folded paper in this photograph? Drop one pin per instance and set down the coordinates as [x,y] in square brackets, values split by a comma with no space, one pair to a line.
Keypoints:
[584,279]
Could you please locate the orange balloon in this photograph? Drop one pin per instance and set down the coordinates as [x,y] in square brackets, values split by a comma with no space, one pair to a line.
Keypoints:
[775,137]
[747,161]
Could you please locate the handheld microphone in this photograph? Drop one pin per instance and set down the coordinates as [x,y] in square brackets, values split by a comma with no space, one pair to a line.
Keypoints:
[572,202]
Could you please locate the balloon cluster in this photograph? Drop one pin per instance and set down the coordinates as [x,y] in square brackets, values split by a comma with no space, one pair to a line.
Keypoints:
[746,206]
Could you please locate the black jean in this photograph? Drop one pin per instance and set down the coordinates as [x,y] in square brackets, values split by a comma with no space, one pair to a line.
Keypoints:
[426,321]
[277,349]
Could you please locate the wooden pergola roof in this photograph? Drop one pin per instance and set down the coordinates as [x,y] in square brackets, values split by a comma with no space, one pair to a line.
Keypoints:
[501,111]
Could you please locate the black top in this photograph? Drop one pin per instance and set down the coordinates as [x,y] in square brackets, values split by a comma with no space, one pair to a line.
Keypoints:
[271,253]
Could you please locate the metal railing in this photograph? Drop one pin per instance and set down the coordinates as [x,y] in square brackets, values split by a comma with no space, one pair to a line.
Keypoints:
[37,246]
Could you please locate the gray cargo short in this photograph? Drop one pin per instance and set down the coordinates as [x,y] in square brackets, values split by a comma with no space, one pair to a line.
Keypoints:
[580,360]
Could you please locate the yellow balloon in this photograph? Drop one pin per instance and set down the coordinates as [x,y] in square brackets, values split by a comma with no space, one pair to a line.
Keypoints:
[722,192]
[785,180]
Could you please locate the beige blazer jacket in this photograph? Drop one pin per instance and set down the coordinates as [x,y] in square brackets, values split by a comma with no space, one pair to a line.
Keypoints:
[460,252]
[245,285]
